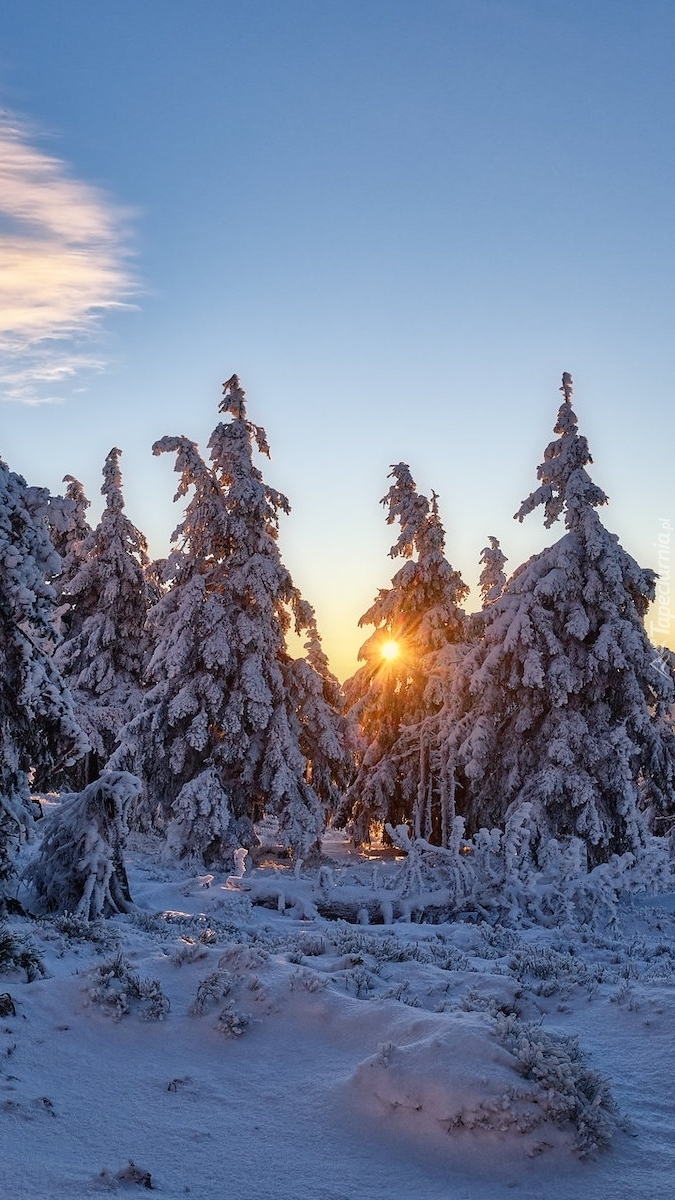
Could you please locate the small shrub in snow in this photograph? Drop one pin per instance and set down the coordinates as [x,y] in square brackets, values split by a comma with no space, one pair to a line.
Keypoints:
[404,993]
[128,1174]
[80,869]
[238,957]
[311,945]
[18,954]
[188,952]
[119,990]
[308,980]
[358,981]
[152,923]
[549,965]
[231,1022]
[499,939]
[211,989]
[573,1092]
[216,987]
[78,929]
[7,1008]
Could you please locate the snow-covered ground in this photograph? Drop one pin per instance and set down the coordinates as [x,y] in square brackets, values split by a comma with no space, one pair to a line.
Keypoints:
[232,1042]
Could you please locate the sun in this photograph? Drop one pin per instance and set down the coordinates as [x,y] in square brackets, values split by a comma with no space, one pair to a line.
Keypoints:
[390,650]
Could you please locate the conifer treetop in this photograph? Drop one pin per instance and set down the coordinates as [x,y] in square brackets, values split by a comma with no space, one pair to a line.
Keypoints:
[111,487]
[189,463]
[492,577]
[565,484]
[234,402]
[406,506]
[234,398]
[252,505]
[75,492]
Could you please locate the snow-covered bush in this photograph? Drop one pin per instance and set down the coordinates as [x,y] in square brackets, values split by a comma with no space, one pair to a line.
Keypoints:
[129,1174]
[74,929]
[79,868]
[237,981]
[120,991]
[212,989]
[232,1022]
[573,1092]
[17,953]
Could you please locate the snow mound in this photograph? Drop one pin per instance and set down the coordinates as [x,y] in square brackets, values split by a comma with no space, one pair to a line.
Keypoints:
[487,1085]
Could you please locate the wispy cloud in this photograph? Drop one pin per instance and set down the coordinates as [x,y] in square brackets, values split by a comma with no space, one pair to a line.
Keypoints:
[64,261]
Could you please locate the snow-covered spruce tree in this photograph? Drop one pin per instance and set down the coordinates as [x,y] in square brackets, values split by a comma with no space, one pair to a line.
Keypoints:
[66,518]
[105,647]
[69,528]
[66,521]
[560,707]
[232,727]
[38,730]
[80,866]
[408,660]
[492,577]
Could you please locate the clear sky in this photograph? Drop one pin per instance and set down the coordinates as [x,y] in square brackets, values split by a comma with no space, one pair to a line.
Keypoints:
[398,221]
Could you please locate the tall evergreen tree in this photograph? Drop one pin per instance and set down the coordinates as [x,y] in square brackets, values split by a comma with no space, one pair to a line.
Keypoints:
[233,728]
[105,648]
[37,725]
[560,708]
[418,627]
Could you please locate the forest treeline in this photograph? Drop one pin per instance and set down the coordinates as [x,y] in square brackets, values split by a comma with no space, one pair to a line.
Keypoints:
[163,695]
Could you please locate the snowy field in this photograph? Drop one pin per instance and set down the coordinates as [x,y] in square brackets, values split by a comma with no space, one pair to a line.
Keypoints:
[239,1038]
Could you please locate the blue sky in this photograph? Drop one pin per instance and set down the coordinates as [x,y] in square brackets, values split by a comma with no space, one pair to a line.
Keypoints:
[398,221]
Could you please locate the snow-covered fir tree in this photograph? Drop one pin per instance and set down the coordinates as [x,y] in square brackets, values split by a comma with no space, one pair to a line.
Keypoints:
[233,728]
[70,531]
[407,662]
[38,730]
[80,866]
[69,528]
[492,577]
[559,711]
[108,597]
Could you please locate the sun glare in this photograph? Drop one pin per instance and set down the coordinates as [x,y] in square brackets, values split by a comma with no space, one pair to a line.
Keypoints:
[390,650]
